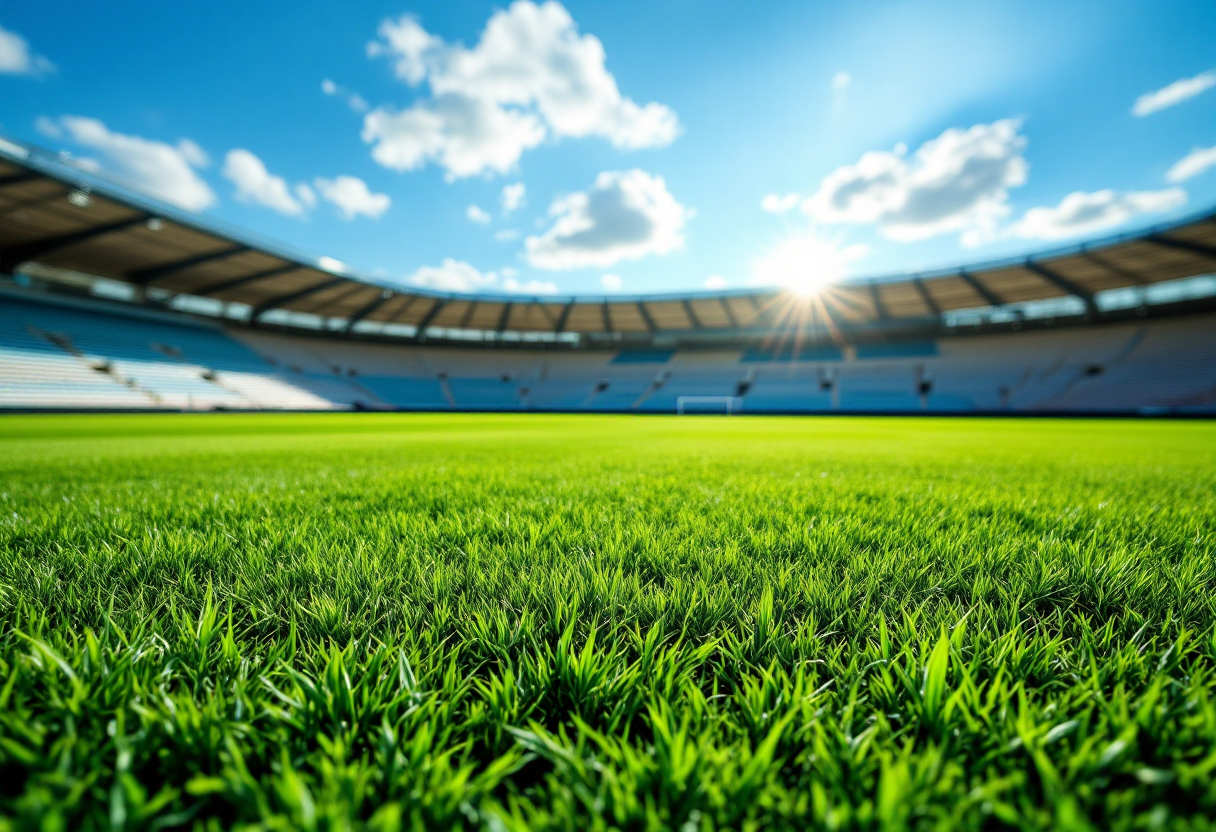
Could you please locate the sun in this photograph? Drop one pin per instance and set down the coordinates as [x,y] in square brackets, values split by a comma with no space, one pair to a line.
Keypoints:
[805,263]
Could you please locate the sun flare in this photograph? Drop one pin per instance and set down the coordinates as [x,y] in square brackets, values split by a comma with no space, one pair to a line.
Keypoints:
[805,263]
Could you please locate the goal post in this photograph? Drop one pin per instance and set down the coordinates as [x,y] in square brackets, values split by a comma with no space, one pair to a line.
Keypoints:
[728,405]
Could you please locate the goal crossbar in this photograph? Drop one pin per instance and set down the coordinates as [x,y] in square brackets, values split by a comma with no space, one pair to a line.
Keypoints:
[730,403]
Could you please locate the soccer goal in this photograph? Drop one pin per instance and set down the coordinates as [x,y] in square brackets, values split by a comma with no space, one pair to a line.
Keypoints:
[727,405]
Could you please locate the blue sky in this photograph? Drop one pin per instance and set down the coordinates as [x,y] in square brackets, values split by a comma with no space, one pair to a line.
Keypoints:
[632,147]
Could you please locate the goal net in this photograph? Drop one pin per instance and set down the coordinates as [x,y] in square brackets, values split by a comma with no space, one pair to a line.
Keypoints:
[726,405]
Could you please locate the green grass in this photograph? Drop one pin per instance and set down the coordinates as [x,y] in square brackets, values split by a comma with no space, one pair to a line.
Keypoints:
[533,622]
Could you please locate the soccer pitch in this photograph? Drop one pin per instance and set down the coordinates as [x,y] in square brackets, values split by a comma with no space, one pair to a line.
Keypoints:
[577,622]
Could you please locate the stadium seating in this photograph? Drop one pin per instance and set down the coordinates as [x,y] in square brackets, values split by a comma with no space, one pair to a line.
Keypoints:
[37,372]
[405,393]
[79,353]
[88,354]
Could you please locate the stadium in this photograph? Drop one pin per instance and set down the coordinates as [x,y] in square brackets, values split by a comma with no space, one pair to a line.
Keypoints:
[288,543]
[192,318]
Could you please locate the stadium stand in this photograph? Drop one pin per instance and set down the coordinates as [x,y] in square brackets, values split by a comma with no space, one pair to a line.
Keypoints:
[57,352]
[109,301]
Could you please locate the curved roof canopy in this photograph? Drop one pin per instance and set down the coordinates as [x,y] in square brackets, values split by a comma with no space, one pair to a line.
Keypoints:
[56,215]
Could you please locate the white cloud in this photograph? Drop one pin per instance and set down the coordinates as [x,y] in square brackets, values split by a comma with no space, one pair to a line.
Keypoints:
[1193,164]
[353,100]
[955,182]
[1175,93]
[611,282]
[192,153]
[332,265]
[476,214]
[352,197]
[506,234]
[306,195]
[459,276]
[715,281]
[841,81]
[464,135]
[17,59]
[48,127]
[1086,213]
[158,169]
[513,197]
[254,183]
[530,75]
[626,215]
[779,204]
[409,45]
[532,287]
[453,276]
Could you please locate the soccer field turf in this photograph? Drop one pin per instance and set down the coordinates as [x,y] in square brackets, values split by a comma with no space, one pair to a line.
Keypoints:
[577,622]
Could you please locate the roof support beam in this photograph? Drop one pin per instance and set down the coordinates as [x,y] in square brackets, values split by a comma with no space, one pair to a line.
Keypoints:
[1182,245]
[1117,269]
[526,315]
[363,312]
[987,294]
[18,178]
[1091,308]
[410,300]
[563,317]
[38,200]
[879,307]
[428,317]
[146,276]
[224,285]
[282,300]
[926,297]
[468,315]
[544,310]
[502,319]
[645,313]
[730,316]
[13,256]
[692,316]
[355,288]
[767,315]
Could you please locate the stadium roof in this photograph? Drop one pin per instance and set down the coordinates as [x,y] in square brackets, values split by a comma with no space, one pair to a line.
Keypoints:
[57,215]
